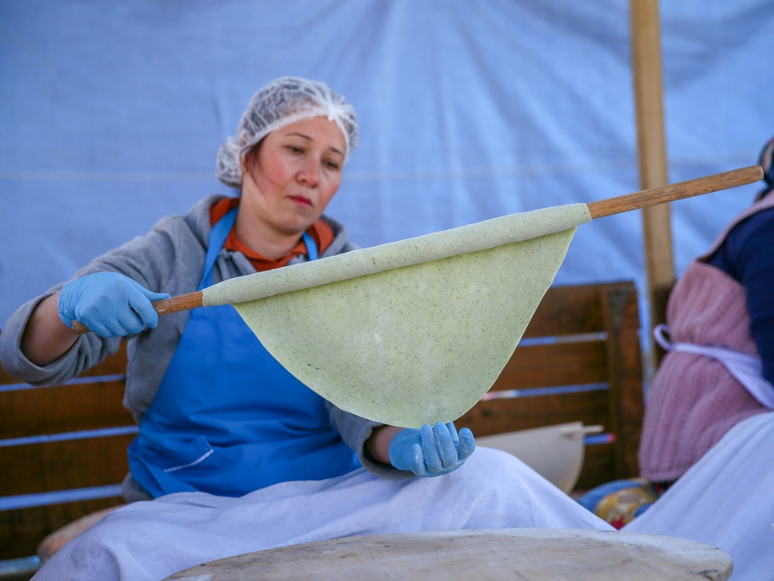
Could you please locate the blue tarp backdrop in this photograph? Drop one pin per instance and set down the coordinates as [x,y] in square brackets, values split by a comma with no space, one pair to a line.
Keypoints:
[111,114]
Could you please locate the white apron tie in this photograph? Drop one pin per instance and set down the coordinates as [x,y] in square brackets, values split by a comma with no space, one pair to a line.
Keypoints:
[747,369]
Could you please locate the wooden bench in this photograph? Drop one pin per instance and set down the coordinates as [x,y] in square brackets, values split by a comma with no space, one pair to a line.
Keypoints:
[63,448]
[62,452]
[580,359]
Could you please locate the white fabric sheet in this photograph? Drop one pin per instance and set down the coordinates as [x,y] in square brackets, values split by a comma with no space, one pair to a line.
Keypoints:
[147,541]
[726,500]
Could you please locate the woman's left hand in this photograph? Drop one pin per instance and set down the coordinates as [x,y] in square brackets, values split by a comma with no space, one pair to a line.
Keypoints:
[431,450]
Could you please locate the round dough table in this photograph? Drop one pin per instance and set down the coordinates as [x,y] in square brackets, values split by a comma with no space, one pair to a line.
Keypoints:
[478,555]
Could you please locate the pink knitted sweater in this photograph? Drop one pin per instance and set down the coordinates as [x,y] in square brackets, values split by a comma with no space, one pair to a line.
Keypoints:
[694,400]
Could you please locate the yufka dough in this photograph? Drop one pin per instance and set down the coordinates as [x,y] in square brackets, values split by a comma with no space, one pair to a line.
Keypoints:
[411,332]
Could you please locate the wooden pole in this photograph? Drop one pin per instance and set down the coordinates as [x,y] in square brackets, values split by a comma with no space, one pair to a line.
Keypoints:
[652,159]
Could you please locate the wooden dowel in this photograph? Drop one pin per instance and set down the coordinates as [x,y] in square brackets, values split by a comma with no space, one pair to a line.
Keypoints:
[635,201]
[179,303]
[679,191]
[163,307]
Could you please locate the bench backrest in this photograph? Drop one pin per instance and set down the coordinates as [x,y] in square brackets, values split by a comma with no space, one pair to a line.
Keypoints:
[62,452]
[63,448]
[580,360]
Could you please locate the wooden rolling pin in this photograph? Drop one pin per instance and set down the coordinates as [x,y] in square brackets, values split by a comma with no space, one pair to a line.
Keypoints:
[599,209]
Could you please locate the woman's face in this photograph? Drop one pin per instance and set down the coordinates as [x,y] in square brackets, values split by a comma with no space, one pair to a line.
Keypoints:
[294,173]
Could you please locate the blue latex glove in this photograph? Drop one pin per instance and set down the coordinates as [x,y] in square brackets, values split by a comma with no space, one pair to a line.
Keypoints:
[431,450]
[109,304]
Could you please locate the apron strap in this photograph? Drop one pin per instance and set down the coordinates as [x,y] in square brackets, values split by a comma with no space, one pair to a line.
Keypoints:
[311,247]
[217,237]
[746,369]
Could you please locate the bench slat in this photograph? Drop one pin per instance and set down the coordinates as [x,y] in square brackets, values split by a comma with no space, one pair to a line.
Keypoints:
[53,466]
[556,364]
[65,408]
[508,415]
[115,364]
[569,310]
[626,402]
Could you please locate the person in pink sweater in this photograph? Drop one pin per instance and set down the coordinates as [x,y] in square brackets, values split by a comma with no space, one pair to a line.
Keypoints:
[707,447]
[719,368]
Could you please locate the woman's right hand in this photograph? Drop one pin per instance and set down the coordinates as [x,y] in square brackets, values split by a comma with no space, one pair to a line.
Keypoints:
[431,450]
[109,304]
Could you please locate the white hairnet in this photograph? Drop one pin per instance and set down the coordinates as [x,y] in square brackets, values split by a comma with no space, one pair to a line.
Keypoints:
[281,102]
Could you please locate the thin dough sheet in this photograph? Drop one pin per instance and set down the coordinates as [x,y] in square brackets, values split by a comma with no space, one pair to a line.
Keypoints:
[415,344]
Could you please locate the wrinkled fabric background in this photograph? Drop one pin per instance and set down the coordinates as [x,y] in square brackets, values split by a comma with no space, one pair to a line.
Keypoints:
[111,115]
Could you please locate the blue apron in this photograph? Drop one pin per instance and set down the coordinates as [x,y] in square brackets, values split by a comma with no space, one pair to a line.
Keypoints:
[228,418]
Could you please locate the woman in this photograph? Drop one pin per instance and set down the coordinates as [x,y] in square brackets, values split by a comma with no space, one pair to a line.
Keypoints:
[249,446]
[708,435]
[720,367]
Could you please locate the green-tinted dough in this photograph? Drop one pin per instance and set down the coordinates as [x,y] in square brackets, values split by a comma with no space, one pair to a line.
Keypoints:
[419,342]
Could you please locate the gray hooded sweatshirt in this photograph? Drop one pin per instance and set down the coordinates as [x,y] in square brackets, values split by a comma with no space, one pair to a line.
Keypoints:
[169,259]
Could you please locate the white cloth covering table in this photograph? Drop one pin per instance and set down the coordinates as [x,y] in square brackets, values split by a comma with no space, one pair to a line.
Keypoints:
[147,541]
